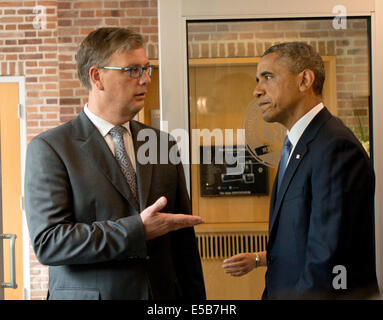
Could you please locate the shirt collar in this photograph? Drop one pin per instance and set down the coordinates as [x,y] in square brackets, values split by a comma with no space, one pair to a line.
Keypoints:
[102,125]
[300,126]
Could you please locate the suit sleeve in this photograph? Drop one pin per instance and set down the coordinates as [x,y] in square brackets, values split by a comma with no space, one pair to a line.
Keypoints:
[342,191]
[57,237]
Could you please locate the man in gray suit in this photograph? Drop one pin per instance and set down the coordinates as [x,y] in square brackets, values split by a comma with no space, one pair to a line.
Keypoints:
[93,208]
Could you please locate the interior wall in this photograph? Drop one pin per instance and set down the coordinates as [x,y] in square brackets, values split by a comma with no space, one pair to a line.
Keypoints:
[252,38]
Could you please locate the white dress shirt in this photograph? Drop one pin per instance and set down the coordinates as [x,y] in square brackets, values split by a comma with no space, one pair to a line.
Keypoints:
[104,127]
[300,126]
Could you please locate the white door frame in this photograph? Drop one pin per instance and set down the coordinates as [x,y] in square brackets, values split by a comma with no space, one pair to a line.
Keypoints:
[172,18]
[23,147]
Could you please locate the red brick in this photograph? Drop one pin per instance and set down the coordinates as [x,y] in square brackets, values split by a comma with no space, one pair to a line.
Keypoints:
[49,109]
[87,14]
[64,5]
[67,110]
[134,4]
[87,5]
[49,124]
[66,118]
[10,19]
[51,101]
[69,84]
[149,12]
[11,49]
[10,11]
[67,101]
[26,26]
[11,4]
[268,35]
[10,27]
[111,4]
[30,41]
[65,23]
[88,22]
[314,34]
[31,56]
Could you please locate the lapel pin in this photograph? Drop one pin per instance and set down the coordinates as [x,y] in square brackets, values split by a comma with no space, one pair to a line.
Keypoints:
[298,156]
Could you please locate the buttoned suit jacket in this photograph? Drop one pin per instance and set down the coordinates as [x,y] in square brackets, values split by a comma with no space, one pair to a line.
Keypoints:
[83,225]
[322,217]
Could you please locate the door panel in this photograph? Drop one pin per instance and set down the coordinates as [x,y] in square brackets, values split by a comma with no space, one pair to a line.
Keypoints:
[11,214]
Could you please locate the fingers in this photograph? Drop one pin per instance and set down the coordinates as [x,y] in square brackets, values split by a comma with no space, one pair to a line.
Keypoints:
[238,265]
[241,257]
[158,223]
[235,267]
[237,271]
[233,259]
[184,220]
[158,205]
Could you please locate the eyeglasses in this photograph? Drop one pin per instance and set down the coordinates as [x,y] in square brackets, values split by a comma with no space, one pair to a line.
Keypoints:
[134,72]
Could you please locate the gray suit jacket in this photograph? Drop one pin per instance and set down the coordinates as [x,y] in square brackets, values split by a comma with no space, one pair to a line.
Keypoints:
[83,225]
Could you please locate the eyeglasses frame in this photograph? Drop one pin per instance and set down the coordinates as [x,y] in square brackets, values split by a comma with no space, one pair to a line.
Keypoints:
[148,69]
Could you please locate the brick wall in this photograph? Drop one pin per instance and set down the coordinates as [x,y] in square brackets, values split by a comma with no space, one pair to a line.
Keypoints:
[54,95]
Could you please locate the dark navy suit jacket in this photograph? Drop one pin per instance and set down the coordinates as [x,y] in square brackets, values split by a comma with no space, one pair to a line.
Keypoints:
[322,216]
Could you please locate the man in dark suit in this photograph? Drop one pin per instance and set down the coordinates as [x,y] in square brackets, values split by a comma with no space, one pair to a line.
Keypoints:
[109,224]
[321,224]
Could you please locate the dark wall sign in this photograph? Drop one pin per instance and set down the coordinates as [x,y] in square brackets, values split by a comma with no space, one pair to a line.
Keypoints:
[231,171]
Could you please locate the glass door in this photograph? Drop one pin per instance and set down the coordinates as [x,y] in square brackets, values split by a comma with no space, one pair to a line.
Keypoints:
[222,62]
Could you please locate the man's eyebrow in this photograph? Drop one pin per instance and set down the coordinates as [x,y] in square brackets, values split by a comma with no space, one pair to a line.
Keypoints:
[137,65]
[263,74]
[266,73]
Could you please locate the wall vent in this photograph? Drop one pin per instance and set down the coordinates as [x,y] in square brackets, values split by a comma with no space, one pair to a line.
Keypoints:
[220,245]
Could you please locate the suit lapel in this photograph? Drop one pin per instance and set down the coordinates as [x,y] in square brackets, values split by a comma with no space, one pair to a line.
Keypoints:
[144,171]
[296,158]
[279,194]
[98,152]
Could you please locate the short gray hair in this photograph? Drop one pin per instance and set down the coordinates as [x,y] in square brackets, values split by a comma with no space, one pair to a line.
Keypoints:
[301,56]
[97,48]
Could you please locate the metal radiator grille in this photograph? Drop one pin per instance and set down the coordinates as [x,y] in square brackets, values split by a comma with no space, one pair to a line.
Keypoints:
[223,245]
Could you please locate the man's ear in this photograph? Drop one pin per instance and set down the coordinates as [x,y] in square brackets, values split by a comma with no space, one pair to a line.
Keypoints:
[95,78]
[306,80]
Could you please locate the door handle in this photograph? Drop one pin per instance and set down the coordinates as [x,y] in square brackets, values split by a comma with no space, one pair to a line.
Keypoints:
[12,284]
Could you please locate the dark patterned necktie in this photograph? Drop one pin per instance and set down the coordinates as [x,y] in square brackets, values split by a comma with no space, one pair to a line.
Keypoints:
[123,160]
[286,149]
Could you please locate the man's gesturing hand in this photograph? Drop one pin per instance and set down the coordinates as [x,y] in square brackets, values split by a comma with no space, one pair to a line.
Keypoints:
[157,223]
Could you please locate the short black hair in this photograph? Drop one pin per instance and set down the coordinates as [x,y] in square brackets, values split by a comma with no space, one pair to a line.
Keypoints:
[301,56]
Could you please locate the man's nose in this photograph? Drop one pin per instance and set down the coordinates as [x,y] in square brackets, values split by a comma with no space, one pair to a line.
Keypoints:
[258,91]
[145,79]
